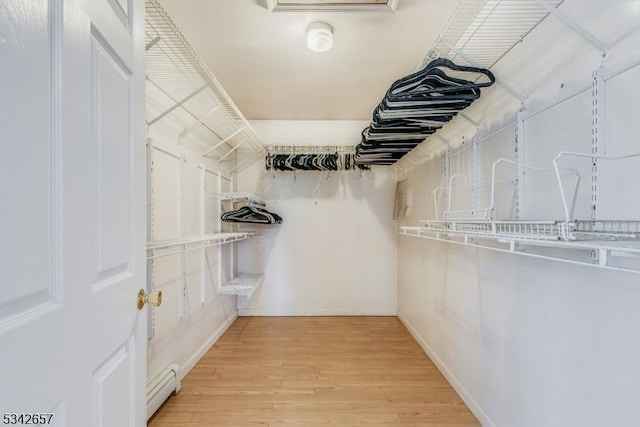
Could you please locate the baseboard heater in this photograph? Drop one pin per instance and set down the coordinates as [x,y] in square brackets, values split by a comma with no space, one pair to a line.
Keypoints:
[161,387]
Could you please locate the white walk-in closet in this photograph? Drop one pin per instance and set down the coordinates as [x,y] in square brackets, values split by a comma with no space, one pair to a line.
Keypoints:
[301,213]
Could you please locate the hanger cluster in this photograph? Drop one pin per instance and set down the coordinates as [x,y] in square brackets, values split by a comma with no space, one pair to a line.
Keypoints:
[253,213]
[417,106]
[312,162]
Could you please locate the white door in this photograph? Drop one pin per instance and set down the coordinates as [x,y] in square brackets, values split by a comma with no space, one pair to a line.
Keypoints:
[72,220]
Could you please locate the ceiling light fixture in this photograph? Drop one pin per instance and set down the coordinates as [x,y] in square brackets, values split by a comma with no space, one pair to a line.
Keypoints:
[319,36]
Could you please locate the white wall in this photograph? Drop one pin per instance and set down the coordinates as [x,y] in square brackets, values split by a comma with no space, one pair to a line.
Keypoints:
[335,252]
[192,315]
[530,342]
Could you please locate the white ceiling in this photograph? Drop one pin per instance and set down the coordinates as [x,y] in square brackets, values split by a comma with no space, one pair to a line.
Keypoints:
[262,61]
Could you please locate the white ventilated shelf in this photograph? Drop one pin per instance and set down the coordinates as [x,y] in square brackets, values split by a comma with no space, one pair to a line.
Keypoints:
[486,30]
[186,244]
[244,284]
[182,87]
[240,197]
[481,33]
[604,239]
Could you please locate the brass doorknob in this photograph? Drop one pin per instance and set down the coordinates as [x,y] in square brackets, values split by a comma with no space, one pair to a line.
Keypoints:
[154,298]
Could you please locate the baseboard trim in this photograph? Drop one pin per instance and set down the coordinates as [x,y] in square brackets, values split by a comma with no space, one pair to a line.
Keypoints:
[275,313]
[473,405]
[202,350]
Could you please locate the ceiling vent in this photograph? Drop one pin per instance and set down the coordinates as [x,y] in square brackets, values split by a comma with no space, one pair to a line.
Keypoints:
[332,5]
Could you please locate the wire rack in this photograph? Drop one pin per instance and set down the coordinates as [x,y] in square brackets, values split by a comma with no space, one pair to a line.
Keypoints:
[479,221]
[182,87]
[486,30]
[192,243]
[241,197]
[310,149]
[603,252]
[568,231]
[604,239]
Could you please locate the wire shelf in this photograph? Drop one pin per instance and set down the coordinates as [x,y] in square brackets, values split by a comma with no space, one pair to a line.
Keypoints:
[310,149]
[601,251]
[244,284]
[543,230]
[540,230]
[180,85]
[486,30]
[248,198]
[480,33]
[192,243]
[479,221]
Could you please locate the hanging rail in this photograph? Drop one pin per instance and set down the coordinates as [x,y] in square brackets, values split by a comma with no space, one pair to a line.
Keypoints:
[309,149]
[192,243]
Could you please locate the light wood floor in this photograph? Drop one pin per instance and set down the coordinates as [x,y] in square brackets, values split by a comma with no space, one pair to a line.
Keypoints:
[286,371]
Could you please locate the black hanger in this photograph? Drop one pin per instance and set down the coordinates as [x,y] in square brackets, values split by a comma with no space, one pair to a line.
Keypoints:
[249,214]
[416,106]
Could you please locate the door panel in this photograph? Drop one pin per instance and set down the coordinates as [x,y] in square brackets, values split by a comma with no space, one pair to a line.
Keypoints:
[30,156]
[111,131]
[72,341]
[112,407]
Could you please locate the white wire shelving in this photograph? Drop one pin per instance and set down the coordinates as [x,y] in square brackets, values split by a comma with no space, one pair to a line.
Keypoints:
[244,284]
[604,239]
[240,197]
[181,86]
[482,32]
[602,251]
[310,149]
[157,248]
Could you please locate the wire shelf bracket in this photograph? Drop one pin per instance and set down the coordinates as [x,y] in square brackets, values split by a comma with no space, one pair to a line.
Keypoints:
[599,44]
[177,105]
[499,81]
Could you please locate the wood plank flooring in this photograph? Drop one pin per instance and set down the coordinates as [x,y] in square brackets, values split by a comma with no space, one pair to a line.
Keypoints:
[308,371]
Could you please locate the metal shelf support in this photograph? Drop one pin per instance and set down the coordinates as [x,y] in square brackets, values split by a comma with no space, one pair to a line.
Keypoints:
[499,81]
[599,44]
[235,147]
[246,161]
[178,104]
[598,142]
[224,141]
[200,121]
[152,43]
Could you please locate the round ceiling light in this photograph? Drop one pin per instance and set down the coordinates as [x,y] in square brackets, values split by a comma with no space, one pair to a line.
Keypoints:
[319,36]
